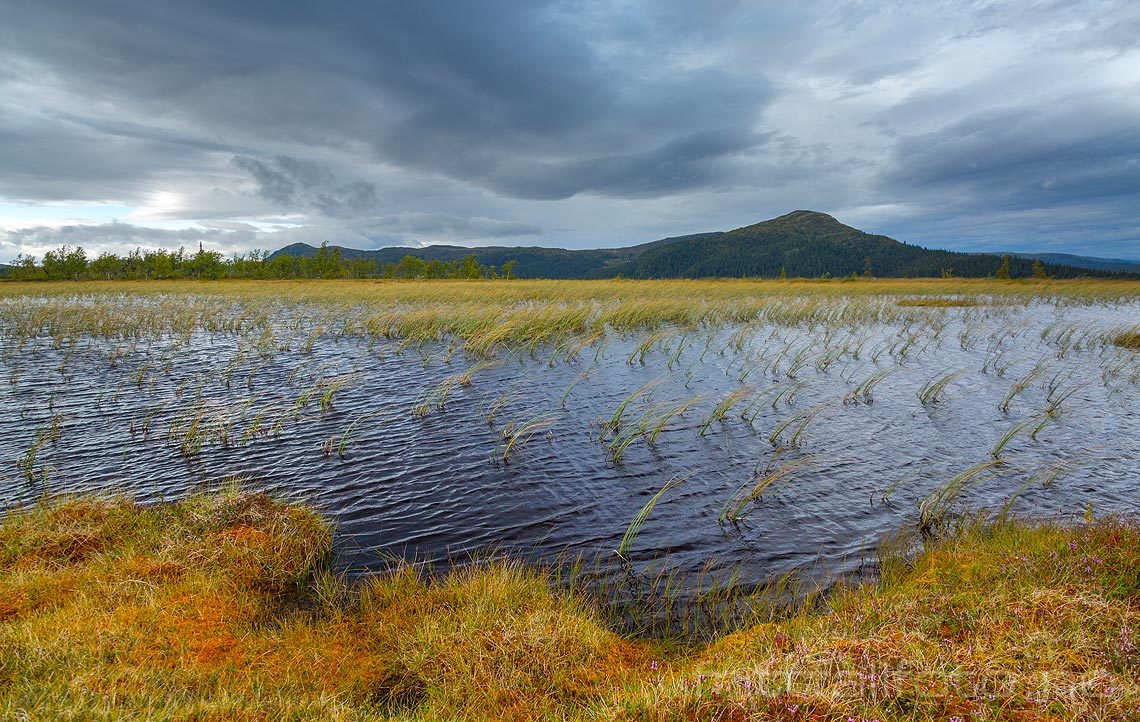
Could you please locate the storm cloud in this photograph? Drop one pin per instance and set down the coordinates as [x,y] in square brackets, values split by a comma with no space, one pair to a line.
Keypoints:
[298,184]
[566,122]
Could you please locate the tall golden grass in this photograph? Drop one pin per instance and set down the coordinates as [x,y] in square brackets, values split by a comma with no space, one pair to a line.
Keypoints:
[484,317]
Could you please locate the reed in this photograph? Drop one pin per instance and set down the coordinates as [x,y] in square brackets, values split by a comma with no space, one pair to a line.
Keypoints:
[939,302]
[864,391]
[1023,383]
[1045,478]
[648,344]
[650,426]
[934,509]
[798,424]
[642,515]
[1058,395]
[734,510]
[515,436]
[486,319]
[436,398]
[616,417]
[888,493]
[662,419]
[500,402]
[329,387]
[722,408]
[47,435]
[933,391]
[346,436]
[1012,432]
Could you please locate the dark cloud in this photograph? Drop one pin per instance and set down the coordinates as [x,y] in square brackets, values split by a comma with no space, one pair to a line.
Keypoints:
[296,184]
[362,120]
[494,93]
[1030,152]
[1050,174]
[442,225]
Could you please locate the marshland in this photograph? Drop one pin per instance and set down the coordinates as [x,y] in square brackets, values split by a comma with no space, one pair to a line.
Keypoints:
[731,498]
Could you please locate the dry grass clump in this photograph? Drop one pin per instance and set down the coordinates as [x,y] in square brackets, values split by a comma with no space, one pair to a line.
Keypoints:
[222,607]
[1128,339]
[1007,622]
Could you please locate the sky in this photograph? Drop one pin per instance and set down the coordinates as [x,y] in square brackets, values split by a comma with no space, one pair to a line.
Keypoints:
[976,126]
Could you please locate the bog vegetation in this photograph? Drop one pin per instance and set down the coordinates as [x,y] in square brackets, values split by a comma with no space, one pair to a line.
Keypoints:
[227,605]
[224,607]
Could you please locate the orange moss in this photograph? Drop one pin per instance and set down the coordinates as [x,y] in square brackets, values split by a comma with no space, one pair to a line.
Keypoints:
[13,605]
[245,534]
[192,612]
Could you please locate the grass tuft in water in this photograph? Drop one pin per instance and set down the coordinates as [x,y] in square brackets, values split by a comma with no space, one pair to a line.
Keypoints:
[640,517]
[934,510]
[1128,339]
[934,390]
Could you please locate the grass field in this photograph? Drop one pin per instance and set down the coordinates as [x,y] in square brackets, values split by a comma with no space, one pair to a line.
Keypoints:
[222,607]
[485,317]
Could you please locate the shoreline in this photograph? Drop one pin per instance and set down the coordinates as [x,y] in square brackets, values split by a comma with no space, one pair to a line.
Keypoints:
[223,606]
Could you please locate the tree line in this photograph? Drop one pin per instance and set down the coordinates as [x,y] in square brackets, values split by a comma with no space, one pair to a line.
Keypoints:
[73,263]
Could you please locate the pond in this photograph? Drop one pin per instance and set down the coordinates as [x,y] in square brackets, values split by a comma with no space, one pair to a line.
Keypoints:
[785,444]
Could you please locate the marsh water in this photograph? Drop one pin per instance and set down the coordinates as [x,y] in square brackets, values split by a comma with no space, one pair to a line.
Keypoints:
[412,460]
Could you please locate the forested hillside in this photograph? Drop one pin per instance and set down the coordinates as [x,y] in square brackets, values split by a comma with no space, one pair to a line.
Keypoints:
[802,243]
[811,244]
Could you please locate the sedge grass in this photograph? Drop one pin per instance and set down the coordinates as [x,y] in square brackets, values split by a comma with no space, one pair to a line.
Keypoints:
[516,435]
[934,510]
[642,515]
[1128,339]
[933,391]
[723,407]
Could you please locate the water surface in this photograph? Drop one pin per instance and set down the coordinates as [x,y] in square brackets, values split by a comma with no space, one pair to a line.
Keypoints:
[362,428]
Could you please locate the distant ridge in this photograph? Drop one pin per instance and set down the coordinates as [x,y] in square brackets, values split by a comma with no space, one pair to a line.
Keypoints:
[1100,264]
[801,243]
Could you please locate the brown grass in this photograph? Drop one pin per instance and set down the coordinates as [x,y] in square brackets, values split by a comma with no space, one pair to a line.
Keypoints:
[222,607]
[1128,339]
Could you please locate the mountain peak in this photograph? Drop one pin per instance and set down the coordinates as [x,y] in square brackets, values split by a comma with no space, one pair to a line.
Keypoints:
[814,219]
[801,221]
[807,215]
